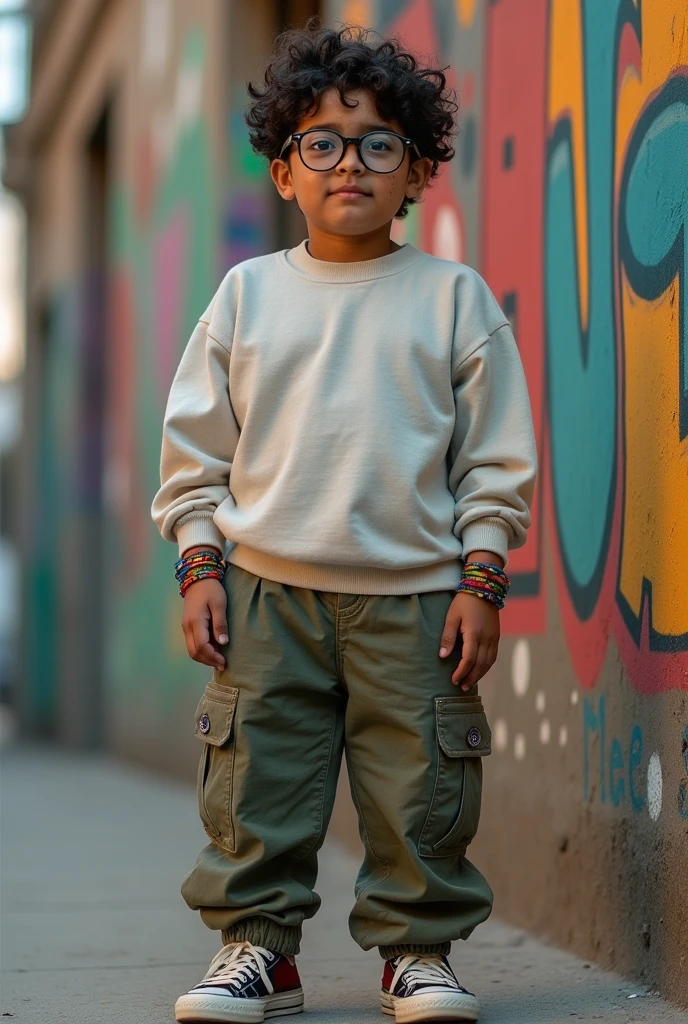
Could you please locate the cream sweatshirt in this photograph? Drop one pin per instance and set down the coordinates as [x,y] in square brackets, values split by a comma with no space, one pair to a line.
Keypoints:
[351,427]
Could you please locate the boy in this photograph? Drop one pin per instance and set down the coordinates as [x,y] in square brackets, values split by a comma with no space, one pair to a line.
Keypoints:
[352,416]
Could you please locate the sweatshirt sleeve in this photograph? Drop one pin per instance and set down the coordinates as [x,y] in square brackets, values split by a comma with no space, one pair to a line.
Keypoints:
[199,438]
[493,458]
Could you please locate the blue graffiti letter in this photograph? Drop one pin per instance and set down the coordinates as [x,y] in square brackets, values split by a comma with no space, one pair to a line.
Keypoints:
[635,756]
[591,723]
[617,787]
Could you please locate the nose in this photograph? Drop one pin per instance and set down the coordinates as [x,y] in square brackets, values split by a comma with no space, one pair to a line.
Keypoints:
[348,162]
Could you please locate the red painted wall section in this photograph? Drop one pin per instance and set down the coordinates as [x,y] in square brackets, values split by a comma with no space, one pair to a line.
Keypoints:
[511,220]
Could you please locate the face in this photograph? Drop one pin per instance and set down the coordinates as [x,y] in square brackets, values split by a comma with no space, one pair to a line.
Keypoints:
[342,213]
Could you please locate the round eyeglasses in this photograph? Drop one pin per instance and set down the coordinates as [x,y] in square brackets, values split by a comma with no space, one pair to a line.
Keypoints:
[321,149]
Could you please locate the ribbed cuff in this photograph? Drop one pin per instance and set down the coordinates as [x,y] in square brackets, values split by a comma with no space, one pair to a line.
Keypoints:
[389,952]
[488,534]
[261,931]
[199,530]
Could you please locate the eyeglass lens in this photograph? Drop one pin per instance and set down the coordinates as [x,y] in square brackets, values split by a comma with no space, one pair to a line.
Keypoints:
[380,151]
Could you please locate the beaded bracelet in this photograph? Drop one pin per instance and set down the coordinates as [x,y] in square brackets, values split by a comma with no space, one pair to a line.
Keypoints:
[201,565]
[485,580]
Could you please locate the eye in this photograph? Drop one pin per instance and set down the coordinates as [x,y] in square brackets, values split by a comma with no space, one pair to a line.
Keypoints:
[381,144]
[320,145]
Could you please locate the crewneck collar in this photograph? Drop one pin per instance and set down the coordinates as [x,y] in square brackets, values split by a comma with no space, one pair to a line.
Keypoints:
[300,260]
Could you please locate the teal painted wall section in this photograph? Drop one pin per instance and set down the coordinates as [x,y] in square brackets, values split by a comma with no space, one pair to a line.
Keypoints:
[51,507]
[166,239]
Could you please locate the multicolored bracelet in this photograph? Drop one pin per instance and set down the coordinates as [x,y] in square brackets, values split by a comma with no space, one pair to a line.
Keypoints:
[485,580]
[201,565]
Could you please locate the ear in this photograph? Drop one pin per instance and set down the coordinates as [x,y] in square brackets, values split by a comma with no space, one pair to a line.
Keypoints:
[281,176]
[418,177]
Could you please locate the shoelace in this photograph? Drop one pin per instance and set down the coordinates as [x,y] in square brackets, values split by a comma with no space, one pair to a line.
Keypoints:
[237,963]
[428,969]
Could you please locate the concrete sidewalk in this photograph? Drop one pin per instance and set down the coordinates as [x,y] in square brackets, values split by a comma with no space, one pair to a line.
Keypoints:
[94,928]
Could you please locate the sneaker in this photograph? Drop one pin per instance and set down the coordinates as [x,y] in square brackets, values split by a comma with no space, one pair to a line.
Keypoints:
[424,988]
[244,983]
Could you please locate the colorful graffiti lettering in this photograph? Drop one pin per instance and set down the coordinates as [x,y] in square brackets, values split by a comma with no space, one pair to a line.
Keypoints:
[617,770]
[582,235]
[617,464]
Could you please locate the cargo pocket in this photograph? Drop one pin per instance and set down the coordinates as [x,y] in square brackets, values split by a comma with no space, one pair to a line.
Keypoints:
[214,719]
[463,738]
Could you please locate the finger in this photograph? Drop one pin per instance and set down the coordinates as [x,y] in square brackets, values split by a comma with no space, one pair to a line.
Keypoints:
[199,643]
[469,651]
[207,655]
[191,644]
[200,632]
[218,610]
[449,633]
[480,666]
[189,639]
[203,646]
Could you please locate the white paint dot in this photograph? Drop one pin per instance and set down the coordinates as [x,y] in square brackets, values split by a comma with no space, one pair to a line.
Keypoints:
[446,235]
[520,668]
[540,702]
[519,746]
[501,734]
[654,787]
[156,35]
[574,697]
[563,736]
[545,731]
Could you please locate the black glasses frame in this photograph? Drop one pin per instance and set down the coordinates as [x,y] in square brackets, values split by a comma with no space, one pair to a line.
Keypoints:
[346,139]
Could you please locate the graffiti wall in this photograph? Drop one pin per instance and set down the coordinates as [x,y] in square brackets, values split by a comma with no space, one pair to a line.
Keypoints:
[181,197]
[569,192]
[165,254]
[191,202]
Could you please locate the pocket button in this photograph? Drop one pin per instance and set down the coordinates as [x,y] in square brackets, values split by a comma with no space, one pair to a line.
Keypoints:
[204,724]
[474,737]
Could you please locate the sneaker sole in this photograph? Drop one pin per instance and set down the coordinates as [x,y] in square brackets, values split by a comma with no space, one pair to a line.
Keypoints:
[410,1009]
[227,1010]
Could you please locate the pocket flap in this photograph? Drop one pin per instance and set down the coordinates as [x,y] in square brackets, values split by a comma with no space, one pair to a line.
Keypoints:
[215,713]
[462,727]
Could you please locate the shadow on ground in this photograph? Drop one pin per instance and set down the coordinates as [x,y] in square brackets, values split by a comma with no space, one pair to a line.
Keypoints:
[94,929]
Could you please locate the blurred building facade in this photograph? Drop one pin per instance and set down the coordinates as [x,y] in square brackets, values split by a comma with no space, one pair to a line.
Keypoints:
[568,193]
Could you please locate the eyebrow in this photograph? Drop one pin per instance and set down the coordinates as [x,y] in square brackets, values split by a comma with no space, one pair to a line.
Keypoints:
[364,127]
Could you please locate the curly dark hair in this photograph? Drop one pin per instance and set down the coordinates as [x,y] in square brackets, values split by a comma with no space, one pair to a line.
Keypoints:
[305,62]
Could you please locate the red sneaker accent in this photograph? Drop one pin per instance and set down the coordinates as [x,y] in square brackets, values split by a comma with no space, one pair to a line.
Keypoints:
[285,976]
[387,976]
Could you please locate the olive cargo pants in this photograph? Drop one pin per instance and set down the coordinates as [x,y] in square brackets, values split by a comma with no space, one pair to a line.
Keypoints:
[310,673]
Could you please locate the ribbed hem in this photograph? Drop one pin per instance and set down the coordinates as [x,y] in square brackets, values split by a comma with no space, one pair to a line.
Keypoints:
[301,262]
[389,952]
[488,534]
[347,579]
[261,931]
[199,530]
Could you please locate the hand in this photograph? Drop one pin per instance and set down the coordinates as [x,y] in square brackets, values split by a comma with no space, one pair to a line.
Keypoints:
[477,620]
[205,604]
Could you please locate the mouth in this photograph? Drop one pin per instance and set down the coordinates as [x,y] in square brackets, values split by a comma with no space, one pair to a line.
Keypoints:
[351,193]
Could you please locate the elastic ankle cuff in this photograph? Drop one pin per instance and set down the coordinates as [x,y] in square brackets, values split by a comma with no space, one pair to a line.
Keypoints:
[260,931]
[389,952]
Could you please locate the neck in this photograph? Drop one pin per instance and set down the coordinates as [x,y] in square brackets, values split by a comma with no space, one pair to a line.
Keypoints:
[350,248]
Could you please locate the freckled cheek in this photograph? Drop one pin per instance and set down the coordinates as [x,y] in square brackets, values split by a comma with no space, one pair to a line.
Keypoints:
[394,188]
